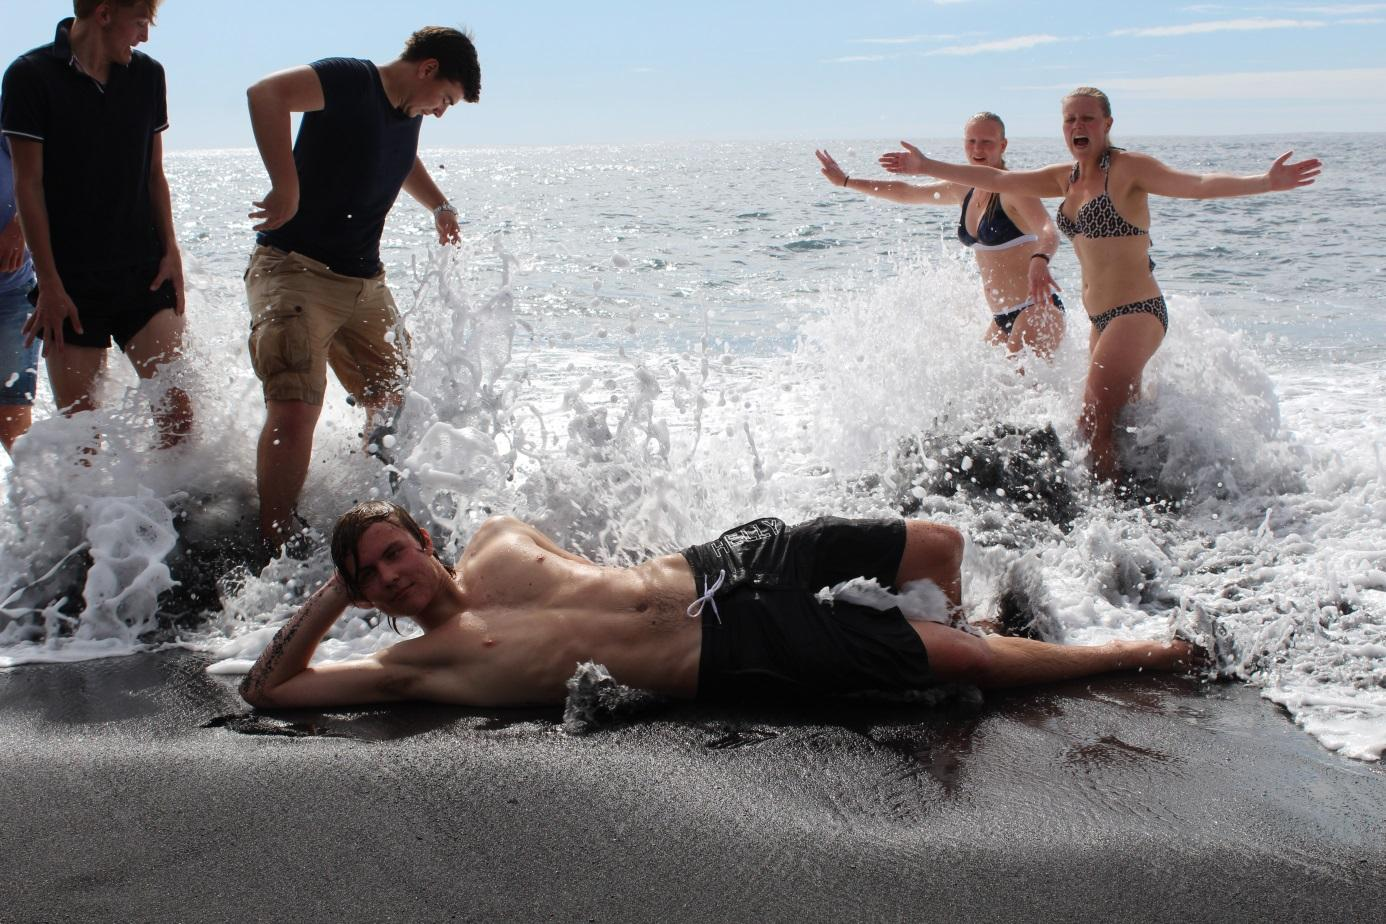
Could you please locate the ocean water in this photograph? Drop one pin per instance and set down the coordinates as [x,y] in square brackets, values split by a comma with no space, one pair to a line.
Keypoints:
[638,347]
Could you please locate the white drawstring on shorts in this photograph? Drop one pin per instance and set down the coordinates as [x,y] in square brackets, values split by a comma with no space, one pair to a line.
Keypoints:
[695,609]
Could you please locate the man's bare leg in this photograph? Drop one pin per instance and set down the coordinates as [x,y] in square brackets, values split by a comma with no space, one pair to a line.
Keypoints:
[381,412]
[160,341]
[72,372]
[998,661]
[15,420]
[935,552]
[281,464]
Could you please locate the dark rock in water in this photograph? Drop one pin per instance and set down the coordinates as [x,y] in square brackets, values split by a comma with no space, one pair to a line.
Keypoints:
[1024,609]
[596,699]
[1022,468]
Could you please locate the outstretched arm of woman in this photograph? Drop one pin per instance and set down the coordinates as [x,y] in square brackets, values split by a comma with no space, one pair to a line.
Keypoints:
[1043,183]
[1160,180]
[894,190]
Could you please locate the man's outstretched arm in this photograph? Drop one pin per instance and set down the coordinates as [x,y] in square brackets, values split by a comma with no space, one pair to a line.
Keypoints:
[282,679]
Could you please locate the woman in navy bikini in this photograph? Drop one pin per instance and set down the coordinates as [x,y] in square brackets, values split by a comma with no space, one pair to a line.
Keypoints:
[1011,236]
[1106,213]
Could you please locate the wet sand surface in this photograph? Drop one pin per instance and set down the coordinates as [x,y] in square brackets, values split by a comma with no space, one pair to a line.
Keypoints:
[142,788]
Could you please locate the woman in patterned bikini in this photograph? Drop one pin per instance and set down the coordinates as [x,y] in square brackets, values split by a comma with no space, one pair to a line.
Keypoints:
[1011,236]
[1106,213]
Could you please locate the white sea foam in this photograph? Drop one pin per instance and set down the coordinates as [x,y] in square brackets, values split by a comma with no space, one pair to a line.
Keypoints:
[733,367]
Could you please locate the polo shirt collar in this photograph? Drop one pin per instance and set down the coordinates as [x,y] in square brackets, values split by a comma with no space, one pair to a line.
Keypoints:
[62,50]
[62,40]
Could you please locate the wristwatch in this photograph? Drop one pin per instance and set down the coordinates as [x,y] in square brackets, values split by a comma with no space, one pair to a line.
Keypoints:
[446,207]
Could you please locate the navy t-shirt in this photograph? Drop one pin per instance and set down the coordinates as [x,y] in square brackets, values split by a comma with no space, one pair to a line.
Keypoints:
[98,143]
[353,156]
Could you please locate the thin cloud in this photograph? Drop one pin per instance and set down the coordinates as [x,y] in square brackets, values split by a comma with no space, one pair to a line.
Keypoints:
[906,40]
[1225,25]
[1340,9]
[858,59]
[1360,83]
[1019,43]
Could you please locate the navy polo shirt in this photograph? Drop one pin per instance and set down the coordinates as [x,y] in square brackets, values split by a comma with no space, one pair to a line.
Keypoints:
[353,157]
[98,144]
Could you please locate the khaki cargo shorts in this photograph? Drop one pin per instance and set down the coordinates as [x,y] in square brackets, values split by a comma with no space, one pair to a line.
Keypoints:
[304,317]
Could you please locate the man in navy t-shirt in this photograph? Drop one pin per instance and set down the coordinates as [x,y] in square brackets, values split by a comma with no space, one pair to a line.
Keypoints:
[83,117]
[315,283]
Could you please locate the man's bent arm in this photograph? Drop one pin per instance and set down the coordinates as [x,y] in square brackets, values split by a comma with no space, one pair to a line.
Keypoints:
[171,262]
[32,205]
[272,102]
[54,306]
[282,679]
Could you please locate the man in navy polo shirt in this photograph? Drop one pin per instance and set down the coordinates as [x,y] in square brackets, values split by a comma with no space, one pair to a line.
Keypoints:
[83,117]
[315,283]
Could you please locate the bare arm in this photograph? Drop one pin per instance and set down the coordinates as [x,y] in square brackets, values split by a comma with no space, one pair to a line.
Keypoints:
[1155,177]
[54,305]
[272,103]
[421,186]
[1030,215]
[171,263]
[281,677]
[1046,182]
[893,190]
[11,245]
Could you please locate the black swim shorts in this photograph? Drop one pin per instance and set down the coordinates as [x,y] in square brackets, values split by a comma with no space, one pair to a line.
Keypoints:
[767,637]
[113,304]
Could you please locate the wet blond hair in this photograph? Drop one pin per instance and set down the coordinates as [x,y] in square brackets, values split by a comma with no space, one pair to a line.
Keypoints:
[1093,93]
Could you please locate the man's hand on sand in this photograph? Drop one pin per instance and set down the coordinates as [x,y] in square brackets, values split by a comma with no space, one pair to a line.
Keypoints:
[275,209]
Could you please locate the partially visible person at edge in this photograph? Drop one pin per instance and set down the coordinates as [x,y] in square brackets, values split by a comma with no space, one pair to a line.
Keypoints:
[1011,237]
[315,283]
[18,360]
[1106,213]
[738,619]
[84,117]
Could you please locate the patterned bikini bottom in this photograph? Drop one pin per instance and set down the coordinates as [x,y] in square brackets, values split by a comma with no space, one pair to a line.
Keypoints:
[1155,306]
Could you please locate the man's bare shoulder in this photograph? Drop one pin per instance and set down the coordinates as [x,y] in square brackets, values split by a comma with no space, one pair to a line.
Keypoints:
[495,530]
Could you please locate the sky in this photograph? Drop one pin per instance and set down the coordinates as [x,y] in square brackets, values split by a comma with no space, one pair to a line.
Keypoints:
[622,71]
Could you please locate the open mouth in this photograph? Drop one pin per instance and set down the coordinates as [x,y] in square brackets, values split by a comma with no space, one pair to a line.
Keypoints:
[1080,141]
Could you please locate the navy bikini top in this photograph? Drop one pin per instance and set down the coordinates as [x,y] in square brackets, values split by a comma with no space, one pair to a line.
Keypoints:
[995,230]
[1099,217]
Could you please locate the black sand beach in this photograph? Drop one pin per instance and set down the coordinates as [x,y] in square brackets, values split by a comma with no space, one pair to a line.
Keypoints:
[141,789]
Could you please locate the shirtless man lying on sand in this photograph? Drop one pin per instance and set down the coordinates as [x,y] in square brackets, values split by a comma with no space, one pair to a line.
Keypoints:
[734,619]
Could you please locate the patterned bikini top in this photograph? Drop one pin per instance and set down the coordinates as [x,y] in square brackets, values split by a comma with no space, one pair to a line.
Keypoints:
[1098,218]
